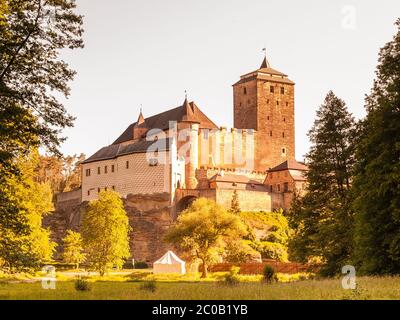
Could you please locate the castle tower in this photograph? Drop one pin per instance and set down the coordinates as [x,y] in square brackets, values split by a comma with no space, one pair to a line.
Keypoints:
[263,100]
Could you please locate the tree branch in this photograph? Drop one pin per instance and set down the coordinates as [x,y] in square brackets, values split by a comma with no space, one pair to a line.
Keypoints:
[23,43]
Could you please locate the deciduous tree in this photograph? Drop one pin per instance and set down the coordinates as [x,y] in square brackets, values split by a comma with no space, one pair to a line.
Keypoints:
[105,229]
[204,229]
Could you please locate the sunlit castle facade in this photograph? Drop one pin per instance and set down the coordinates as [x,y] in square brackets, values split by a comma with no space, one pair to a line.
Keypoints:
[183,154]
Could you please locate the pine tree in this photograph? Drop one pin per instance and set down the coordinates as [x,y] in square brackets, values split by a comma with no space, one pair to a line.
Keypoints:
[377,180]
[322,219]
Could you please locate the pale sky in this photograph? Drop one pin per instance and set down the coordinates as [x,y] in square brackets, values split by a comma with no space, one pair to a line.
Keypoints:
[149,52]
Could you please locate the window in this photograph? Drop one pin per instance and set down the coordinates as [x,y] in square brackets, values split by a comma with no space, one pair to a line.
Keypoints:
[267,117]
[127,164]
[105,189]
[287,103]
[270,188]
[270,133]
[282,90]
[87,172]
[244,90]
[279,187]
[98,170]
[240,104]
[267,100]
[277,102]
[113,187]
[88,192]
[98,190]
[105,169]
[283,134]
[271,89]
[284,119]
[112,168]
[153,162]
[285,187]
[283,151]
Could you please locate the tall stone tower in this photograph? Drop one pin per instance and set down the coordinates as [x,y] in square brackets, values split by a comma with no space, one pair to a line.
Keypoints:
[263,100]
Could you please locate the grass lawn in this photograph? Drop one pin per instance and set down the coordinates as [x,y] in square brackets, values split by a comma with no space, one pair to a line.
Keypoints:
[129,287]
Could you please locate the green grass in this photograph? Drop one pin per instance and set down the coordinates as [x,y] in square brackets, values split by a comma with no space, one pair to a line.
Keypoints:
[368,288]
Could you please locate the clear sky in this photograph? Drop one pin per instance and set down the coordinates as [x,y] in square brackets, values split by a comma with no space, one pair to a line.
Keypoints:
[149,52]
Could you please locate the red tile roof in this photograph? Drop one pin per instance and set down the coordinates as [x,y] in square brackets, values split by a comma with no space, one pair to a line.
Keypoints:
[187,112]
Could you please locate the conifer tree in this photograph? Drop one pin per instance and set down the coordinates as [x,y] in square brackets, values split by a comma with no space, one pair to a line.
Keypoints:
[377,179]
[322,219]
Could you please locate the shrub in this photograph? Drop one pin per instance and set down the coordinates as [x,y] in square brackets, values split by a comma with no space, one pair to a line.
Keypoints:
[141,265]
[148,286]
[269,274]
[82,285]
[232,277]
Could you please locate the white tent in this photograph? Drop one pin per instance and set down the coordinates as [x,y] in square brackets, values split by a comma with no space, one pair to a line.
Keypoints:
[169,263]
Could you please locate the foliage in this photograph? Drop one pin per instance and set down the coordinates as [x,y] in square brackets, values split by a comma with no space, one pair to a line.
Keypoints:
[235,205]
[232,278]
[377,178]
[105,229]
[62,173]
[239,251]
[149,286]
[73,248]
[32,34]
[204,229]
[269,274]
[276,230]
[25,250]
[82,285]
[141,265]
[323,219]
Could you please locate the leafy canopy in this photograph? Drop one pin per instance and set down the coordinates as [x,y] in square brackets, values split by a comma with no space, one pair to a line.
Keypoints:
[105,229]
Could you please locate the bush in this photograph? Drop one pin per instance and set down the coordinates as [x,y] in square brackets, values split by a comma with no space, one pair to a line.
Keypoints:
[232,277]
[269,274]
[141,265]
[148,286]
[82,285]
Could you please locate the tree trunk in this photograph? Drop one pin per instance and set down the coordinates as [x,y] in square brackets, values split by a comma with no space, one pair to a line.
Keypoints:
[205,271]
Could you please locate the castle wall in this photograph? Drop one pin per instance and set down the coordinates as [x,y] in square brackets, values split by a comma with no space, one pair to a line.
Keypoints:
[138,177]
[248,200]
[149,216]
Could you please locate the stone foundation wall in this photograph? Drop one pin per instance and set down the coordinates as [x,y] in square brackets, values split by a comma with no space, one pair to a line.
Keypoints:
[149,216]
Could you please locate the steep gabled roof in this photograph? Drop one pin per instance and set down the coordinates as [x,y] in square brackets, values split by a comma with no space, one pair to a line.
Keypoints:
[186,112]
[289,165]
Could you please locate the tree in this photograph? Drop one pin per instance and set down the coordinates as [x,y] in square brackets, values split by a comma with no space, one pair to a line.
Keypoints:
[203,230]
[235,205]
[323,219]
[27,245]
[62,173]
[73,248]
[32,34]
[105,229]
[377,178]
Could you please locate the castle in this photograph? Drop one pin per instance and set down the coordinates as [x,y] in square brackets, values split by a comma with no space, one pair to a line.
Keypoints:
[161,163]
